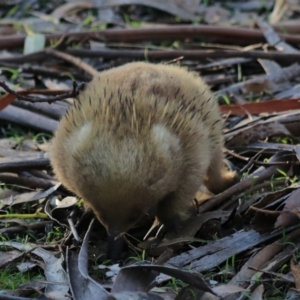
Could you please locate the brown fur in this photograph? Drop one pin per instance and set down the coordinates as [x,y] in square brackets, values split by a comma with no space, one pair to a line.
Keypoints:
[140,137]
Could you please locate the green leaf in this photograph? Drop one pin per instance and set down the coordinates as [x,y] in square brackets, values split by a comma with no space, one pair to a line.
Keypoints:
[34,42]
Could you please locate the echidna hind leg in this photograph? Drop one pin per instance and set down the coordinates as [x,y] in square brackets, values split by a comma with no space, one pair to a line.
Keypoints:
[219,177]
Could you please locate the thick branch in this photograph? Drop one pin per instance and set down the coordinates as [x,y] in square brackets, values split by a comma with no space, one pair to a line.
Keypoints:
[240,36]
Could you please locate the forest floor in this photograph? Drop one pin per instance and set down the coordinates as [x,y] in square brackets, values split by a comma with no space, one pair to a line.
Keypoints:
[244,242]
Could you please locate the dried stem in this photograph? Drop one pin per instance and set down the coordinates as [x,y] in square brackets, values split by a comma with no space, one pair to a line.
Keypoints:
[73,94]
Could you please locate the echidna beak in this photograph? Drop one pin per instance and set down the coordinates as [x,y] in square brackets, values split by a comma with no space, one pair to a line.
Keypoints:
[115,245]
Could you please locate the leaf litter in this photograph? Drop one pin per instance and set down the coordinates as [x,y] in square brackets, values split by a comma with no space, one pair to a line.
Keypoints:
[244,242]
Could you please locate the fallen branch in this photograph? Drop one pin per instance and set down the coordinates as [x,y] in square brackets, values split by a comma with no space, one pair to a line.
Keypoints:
[15,165]
[228,34]
[29,182]
[24,117]
[286,57]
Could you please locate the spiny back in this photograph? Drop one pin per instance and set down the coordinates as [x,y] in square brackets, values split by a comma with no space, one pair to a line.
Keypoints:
[129,99]
[136,134]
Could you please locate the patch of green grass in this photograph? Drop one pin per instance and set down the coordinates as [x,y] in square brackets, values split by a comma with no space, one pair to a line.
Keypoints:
[96,270]
[53,42]
[19,134]
[56,234]
[176,285]
[15,132]
[250,97]
[284,140]
[198,20]
[130,22]
[12,11]
[88,20]
[22,239]
[99,27]
[15,73]
[139,256]
[247,295]
[275,292]
[284,174]
[226,99]
[42,137]
[11,280]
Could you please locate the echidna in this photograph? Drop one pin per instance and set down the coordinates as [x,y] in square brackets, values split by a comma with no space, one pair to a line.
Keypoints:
[141,137]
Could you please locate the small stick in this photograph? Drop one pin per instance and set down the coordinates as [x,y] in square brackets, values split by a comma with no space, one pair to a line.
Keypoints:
[73,94]
[258,162]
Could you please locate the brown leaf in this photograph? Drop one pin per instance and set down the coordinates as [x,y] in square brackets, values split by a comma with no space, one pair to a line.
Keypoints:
[256,132]
[261,107]
[291,210]
[5,100]
[295,268]
[258,85]
[263,220]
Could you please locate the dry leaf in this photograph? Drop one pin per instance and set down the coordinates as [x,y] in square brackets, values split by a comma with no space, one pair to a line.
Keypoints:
[291,210]
[295,268]
[5,100]
[258,86]
[256,132]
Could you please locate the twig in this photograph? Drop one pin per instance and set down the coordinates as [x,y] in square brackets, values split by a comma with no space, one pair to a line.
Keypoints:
[30,182]
[73,94]
[73,229]
[73,60]
[266,211]
[260,163]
